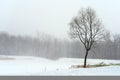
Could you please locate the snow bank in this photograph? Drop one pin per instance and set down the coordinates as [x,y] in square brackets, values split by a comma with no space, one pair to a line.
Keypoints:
[21,65]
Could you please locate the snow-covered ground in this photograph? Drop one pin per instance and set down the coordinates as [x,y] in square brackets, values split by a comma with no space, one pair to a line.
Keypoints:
[21,65]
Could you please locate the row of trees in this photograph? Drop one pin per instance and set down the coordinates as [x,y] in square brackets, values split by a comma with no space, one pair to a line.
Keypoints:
[50,47]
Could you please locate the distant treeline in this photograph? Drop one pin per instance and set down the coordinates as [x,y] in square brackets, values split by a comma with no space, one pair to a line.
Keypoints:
[53,48]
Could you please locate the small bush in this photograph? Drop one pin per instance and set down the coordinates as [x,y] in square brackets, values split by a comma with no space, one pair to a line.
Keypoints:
[99,64]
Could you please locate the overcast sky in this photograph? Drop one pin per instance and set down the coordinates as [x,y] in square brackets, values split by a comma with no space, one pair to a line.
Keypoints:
[26,17]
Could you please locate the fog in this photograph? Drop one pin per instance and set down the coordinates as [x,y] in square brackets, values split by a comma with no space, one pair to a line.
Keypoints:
[50,47]
[26,17]
[40,28]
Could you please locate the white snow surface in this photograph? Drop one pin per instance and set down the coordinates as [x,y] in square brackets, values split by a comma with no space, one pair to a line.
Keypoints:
[30,66]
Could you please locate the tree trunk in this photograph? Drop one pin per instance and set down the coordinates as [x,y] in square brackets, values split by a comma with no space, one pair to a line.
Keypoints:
[85,59]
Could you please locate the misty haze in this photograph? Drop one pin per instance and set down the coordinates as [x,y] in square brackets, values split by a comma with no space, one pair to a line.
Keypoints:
[59,37]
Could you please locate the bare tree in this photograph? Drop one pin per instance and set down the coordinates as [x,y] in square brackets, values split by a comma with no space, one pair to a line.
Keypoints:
[87,27]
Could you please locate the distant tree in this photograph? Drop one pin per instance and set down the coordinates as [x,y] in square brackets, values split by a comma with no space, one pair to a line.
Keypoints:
[88,28]
[116,46]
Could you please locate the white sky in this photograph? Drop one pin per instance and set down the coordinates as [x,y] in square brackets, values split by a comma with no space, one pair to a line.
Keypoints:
[26,17]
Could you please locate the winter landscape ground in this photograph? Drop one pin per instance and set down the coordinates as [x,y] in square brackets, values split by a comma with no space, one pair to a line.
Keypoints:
[22,65]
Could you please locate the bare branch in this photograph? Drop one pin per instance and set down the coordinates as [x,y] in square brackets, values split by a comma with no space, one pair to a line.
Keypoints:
[87,27]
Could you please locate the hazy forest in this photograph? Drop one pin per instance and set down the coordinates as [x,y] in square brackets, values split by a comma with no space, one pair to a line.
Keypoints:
[50,47]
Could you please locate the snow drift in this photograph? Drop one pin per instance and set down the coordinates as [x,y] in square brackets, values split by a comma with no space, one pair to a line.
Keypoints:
[21,65]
